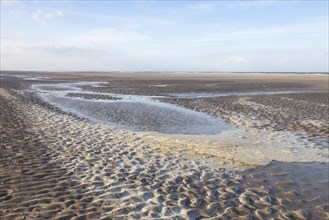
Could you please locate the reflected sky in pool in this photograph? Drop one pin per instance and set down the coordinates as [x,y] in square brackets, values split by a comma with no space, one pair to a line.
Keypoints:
[138,113]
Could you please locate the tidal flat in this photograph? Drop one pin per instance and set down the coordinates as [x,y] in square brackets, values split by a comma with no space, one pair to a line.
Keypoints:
[164,146]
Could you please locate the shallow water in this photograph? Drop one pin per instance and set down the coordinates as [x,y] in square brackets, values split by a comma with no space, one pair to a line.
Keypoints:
[252,146]
[304,185]
[139,113]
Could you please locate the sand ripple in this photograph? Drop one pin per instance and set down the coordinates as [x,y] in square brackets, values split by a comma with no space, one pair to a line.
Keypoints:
[64,166]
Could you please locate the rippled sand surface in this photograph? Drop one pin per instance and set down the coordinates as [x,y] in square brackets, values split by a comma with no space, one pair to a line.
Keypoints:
[60,161]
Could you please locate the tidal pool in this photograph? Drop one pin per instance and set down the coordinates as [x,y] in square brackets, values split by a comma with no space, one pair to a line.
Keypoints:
[138,113]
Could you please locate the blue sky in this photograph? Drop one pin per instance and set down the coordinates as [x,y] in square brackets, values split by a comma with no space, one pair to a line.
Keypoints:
[165,35]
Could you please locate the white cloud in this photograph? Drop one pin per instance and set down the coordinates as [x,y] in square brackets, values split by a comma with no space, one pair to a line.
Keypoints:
[16,13]
[236,59]
[42,16]
[64,57]
[281,60]
[9,3]
[22,56]
[255,4]
[60,50]
[125,46]
[100,49]
[313,28]
[201,7]
[12,37]
[106,36]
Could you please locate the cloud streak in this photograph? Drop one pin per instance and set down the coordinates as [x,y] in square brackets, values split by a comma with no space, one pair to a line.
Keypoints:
[308,29]
[200,36]
[256,4]
[42,16]
[201,7]
[106,36]
[9,3]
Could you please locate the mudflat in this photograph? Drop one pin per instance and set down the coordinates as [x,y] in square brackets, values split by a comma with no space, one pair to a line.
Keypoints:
[164,145]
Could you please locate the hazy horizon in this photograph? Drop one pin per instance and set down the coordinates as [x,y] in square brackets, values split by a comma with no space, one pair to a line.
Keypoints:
[165,72]
[165,36]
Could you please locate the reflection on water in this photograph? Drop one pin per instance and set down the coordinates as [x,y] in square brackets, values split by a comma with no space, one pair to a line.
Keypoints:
[304,185]
[133,112]
[250,145]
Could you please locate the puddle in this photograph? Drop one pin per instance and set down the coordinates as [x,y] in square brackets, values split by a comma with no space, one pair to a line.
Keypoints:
[304,184]
[207,135]
[25,77]
[137,113]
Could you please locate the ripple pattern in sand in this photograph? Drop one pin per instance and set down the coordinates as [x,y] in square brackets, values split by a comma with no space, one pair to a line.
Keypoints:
[124,177]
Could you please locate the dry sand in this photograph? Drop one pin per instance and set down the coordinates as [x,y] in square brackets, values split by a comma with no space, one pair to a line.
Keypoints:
[59,165]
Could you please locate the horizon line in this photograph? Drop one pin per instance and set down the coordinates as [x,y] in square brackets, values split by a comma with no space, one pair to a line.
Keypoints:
[156,71]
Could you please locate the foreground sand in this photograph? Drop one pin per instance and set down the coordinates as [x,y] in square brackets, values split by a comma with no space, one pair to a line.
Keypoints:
[58,165]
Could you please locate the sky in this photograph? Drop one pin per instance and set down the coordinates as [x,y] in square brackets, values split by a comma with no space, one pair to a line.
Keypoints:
[235,36]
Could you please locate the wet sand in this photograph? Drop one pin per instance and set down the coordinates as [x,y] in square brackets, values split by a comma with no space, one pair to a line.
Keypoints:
[58,164]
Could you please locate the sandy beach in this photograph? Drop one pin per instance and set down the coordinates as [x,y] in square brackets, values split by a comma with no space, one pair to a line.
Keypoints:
[164,146]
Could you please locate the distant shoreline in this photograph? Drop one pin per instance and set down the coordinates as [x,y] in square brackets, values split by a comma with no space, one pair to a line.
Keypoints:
[162,72]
